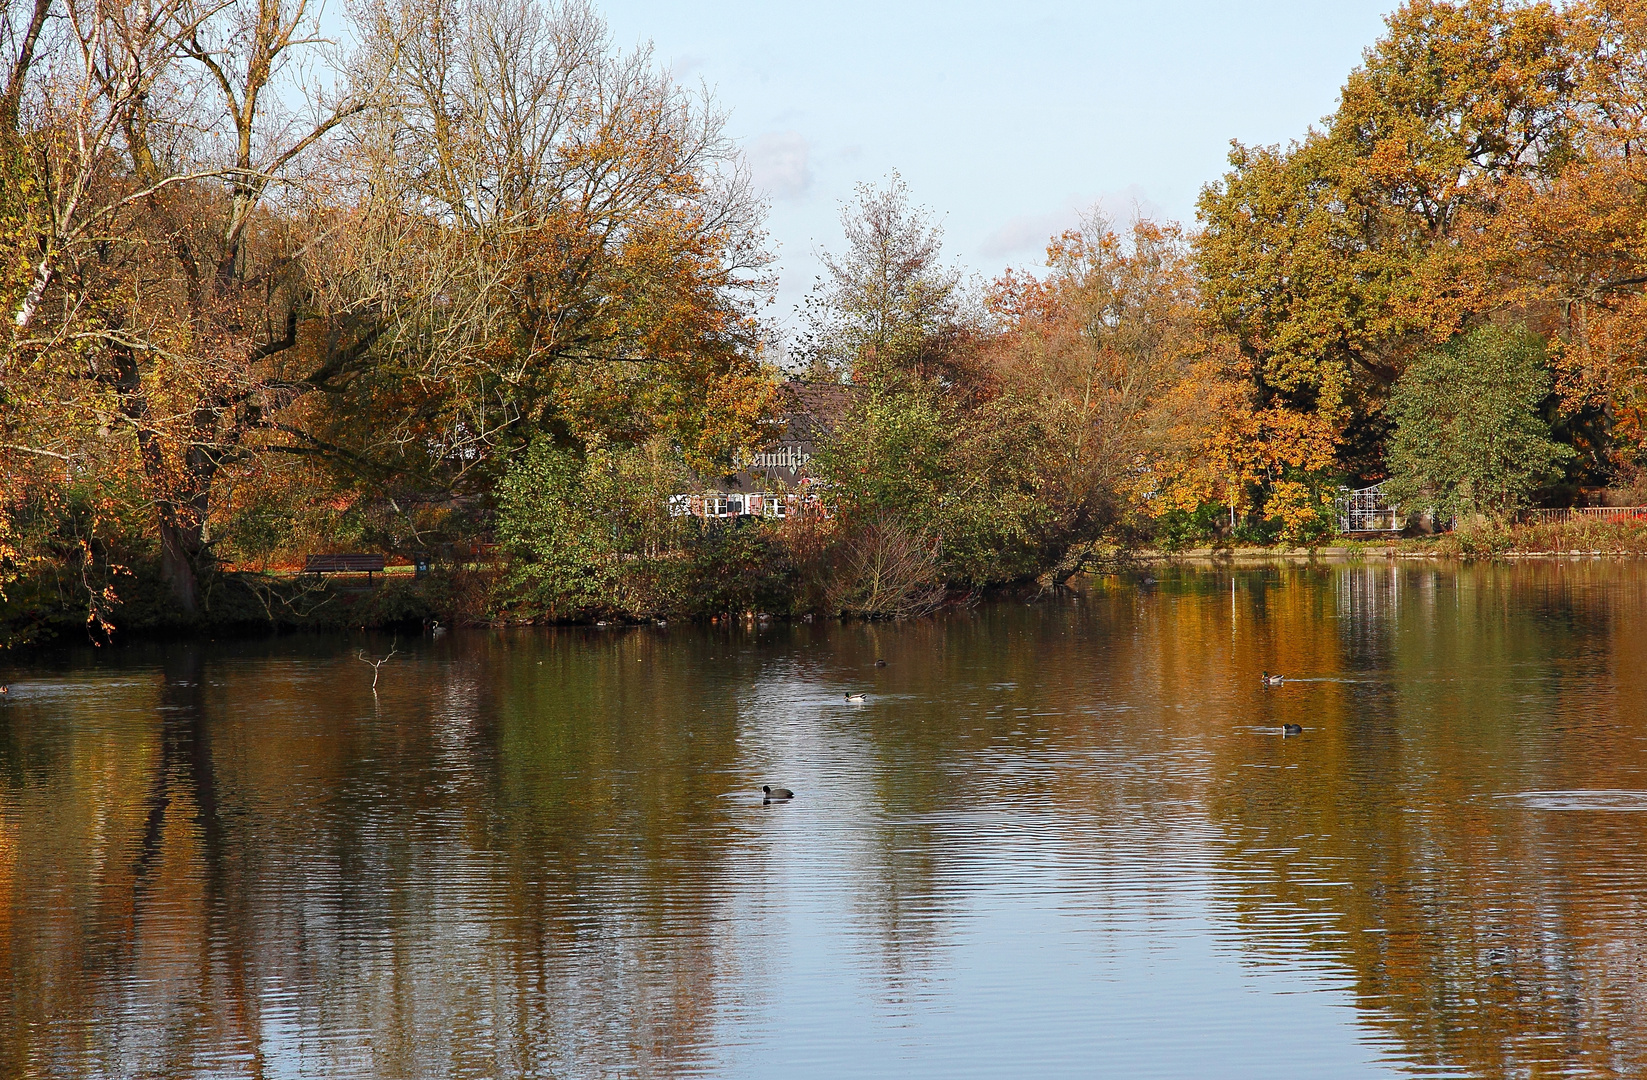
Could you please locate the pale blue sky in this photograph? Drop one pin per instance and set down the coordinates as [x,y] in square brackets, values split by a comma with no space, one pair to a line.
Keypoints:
[1004,119]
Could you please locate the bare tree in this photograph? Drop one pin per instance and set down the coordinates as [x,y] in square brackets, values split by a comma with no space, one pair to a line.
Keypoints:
[886,304]
[887,570]
[543,226]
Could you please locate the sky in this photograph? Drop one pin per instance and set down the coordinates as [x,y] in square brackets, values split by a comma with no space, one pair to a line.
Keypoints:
[1007,121]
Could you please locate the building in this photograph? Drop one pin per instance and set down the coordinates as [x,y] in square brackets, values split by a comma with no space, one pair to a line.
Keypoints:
[776,481]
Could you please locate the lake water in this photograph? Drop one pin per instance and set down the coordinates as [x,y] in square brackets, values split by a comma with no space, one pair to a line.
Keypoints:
[1058,840]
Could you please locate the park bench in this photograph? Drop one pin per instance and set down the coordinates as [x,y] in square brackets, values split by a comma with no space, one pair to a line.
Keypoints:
[343,564]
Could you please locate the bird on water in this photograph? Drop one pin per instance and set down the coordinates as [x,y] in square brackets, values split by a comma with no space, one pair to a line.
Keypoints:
[1272,680]
[855,698]
[775,793]
[1292,729]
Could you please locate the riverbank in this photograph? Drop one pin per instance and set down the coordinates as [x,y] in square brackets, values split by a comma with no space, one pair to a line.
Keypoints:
[39,612]
[1581,538]
[43,611]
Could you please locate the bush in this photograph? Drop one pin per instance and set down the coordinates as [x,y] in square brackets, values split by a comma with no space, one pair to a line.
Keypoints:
[1178,529]
[886,571]
[589,532]
[589,535]
[1469,438]
[903,462]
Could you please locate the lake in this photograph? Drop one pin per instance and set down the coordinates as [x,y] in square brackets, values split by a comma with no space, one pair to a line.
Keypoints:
[1061,839]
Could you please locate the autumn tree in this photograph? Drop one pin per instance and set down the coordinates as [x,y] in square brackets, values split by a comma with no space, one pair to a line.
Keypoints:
[549,239]
[1334,261]
[1096,349]
[1562,249]
[163,298]
[232,248]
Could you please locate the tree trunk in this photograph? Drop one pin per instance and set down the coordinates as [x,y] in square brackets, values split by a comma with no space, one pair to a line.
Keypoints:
[180,539]
[177,565]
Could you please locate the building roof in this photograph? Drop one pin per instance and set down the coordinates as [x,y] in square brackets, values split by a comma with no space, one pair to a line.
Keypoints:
[810,410]
[805,413]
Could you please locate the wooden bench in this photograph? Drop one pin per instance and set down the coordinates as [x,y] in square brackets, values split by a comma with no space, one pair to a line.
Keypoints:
[343,564]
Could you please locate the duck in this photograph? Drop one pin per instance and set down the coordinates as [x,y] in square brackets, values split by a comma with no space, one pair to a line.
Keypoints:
[1272,680]
[880,663]
[1292,729]
[771,793]
[855,698]
[435,629]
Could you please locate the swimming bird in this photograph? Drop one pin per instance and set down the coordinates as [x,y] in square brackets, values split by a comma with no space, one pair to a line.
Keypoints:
[880,663]
[1292,729]
[854,698]
[1272,680]
[435,629]
[4,690]
[776,792]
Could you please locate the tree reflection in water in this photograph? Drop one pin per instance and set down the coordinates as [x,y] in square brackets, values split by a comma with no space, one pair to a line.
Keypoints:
[545,852]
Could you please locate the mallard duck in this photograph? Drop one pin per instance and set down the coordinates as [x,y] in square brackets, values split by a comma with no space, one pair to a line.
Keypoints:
[1272,680]
[776,792]
[855,698]
[1292,729]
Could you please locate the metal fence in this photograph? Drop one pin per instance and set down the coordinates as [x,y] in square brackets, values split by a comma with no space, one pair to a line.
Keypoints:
[1564,514]
[1365,510]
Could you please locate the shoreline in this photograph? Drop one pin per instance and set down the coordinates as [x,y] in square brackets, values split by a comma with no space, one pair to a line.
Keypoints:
[402,603]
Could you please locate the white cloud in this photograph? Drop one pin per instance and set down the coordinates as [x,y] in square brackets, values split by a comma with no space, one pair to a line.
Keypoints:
[1030,232]
[686,65]
[780,163]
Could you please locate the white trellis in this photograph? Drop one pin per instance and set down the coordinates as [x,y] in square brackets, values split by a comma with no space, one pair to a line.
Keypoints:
[1367,510]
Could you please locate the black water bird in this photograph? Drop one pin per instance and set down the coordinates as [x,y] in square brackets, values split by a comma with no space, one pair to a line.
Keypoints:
[880,663]
[855,698]
[1292,729]
[1272,680]
[771,793]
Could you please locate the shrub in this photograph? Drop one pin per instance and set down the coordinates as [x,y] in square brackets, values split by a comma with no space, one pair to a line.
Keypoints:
[1469,438]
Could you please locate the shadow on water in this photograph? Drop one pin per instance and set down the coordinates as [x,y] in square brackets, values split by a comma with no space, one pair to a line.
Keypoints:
[1045,830]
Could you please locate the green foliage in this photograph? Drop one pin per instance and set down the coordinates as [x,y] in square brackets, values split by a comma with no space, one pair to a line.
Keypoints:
[1469,439]
[740,565]
[590,531]
[590,535]
[891,452]
[1179,529]
[963,488]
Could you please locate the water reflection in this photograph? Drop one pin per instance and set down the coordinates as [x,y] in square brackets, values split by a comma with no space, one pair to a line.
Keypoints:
[1067,837]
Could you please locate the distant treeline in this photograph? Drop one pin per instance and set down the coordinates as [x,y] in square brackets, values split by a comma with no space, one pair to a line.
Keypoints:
[483,282]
